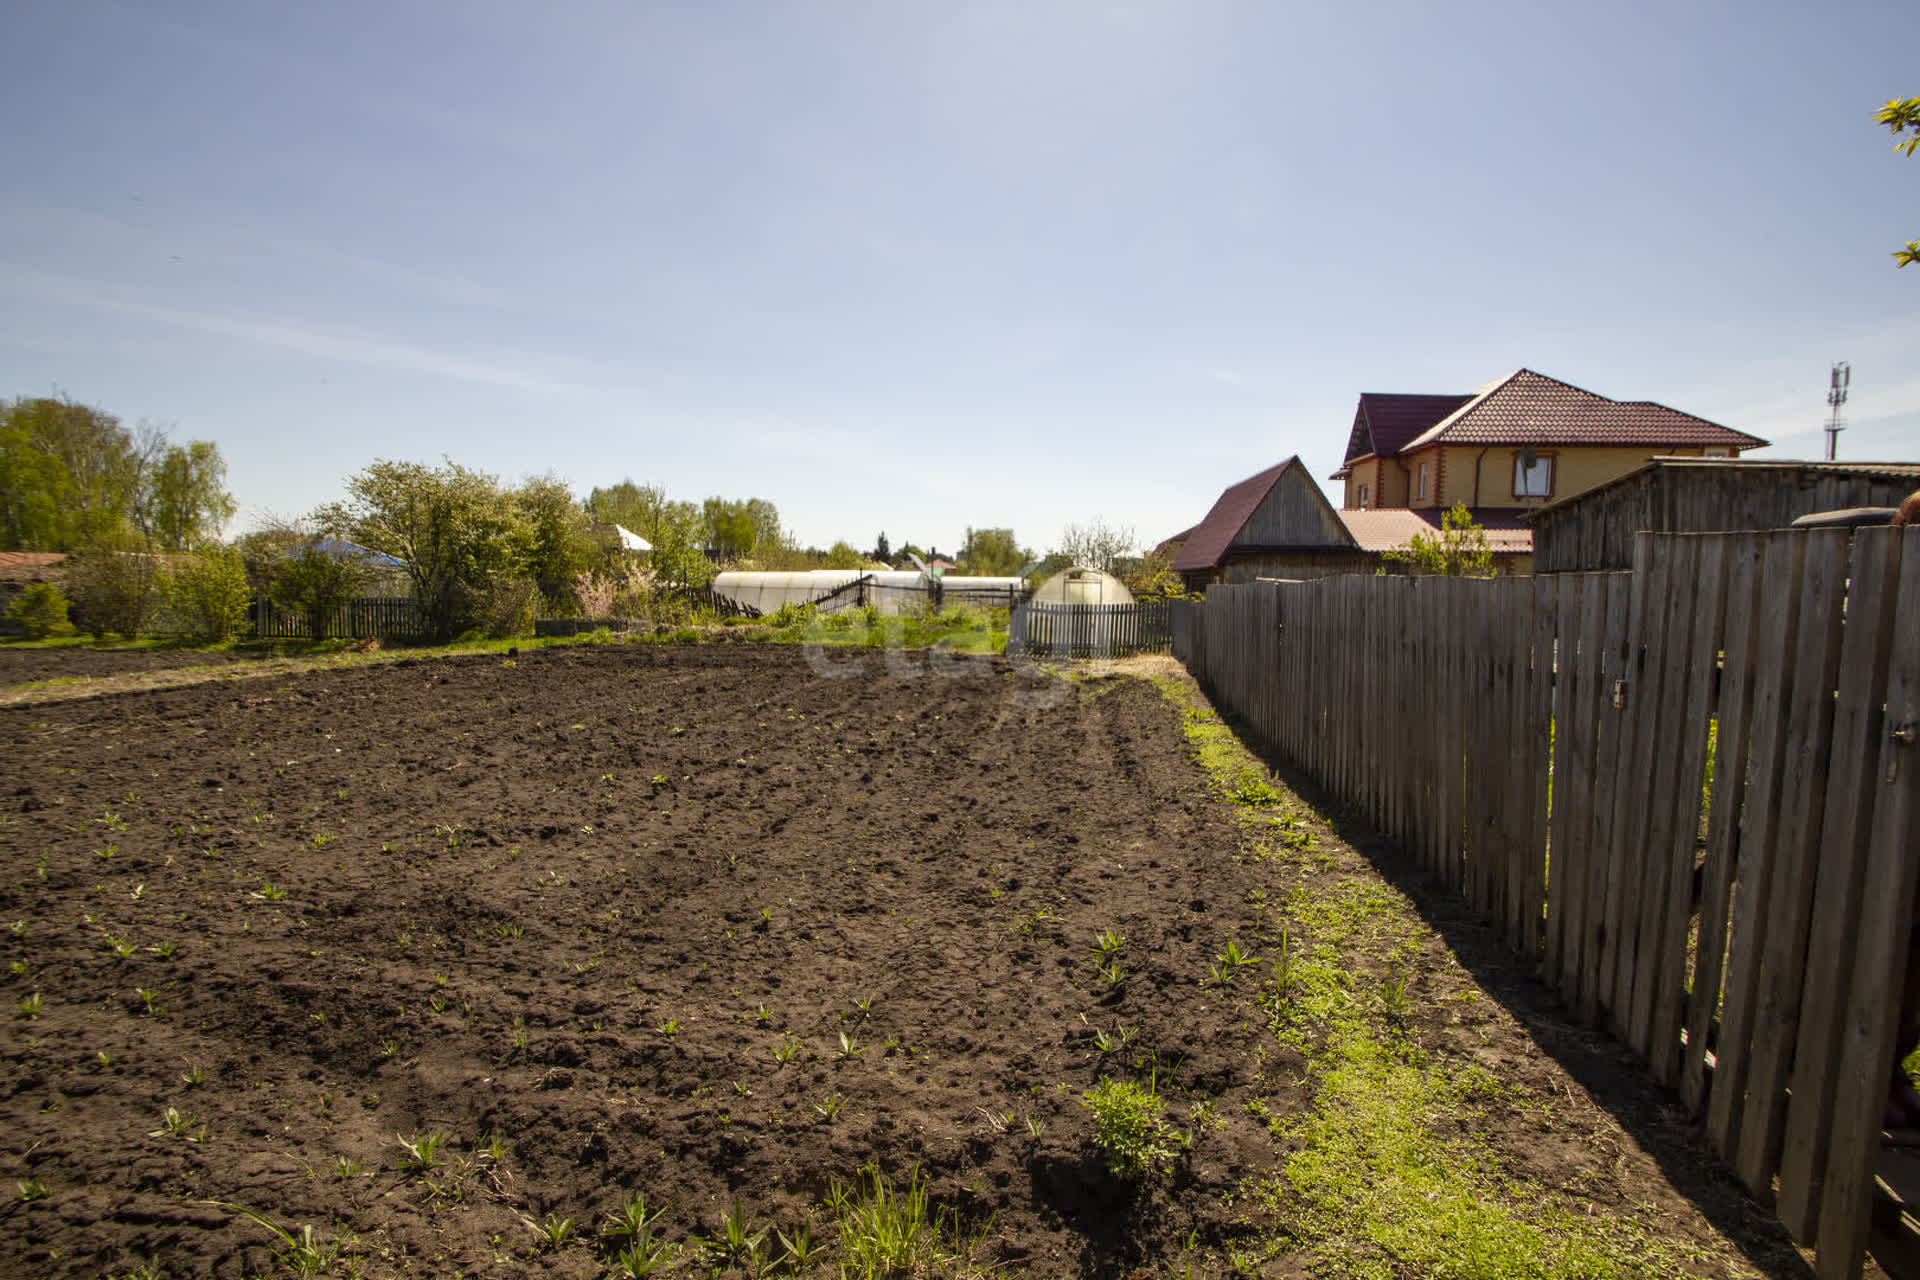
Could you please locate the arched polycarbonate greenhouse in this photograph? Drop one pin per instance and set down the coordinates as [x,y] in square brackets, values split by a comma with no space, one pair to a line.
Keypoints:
[890,591]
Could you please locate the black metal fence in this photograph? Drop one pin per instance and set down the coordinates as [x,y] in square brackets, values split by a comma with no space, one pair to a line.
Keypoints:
[1091,630]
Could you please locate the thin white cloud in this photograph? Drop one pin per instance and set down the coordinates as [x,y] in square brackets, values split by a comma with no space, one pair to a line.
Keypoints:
[238,247]
[502,369]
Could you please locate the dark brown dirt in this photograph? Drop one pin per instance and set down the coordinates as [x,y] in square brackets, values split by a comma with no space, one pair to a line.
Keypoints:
[550,899]
[20,664]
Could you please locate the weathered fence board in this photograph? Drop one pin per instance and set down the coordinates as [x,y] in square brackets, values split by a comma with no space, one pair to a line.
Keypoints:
[1837,897]
[1723,813]
[1880,952]
[1806,740]
[1610,665]
[1677,789]
[1678,829]
[1759,816]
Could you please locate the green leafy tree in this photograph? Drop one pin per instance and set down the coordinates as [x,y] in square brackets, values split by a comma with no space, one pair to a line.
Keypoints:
[71,475]
[641,508]
[561,544]
[676,530]
[1461,550]
[186,500]
[881,550]
[993,553]
[455,529]
[729,528]
[746,529]
[1902,116]
[36,494]
[841,555]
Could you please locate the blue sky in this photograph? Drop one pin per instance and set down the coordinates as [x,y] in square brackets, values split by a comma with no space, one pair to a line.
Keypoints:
[918,266]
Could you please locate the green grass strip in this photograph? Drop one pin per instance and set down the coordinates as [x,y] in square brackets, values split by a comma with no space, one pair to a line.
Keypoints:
[1387,1174]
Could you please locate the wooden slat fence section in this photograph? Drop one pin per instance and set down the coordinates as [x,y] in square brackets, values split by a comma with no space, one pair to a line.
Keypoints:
[1687,791]
[1857,730]
[383,617]
[1610,652]
[1879,953]
[1091,630]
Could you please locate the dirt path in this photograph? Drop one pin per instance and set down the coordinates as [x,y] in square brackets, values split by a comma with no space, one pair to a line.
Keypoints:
[703,924]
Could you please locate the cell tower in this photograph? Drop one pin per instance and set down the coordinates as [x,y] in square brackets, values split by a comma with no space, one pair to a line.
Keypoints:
[1837,398]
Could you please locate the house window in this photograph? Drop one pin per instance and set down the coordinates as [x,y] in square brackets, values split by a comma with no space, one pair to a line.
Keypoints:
[1363,497]
[1420,483]
[1716,451]
[1532,478]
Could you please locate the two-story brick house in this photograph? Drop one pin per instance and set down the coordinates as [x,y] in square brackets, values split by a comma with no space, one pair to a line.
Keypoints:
[1514,445]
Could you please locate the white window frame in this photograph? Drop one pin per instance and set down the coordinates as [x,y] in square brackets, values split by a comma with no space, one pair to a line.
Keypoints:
[1363,497]
[1420,490]
[1534,481]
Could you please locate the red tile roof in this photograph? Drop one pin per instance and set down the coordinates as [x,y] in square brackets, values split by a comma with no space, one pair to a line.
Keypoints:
[1384,423]
[1208,541]
[1531,408]
[1392,528]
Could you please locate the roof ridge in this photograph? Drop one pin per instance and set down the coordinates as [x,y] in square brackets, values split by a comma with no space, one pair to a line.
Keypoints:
[1474,401]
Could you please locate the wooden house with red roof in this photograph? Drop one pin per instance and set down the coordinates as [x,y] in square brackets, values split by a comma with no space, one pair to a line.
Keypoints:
[1278,524]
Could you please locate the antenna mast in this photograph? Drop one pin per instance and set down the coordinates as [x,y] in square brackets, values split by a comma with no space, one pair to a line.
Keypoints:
[1837,397]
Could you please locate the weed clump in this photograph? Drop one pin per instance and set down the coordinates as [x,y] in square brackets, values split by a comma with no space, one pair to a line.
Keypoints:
[1129,1128]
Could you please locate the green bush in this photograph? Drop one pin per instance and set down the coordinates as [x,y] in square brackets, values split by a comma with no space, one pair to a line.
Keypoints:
[507,607]
[41,611]
[1128,1128]
[111,585]
[316,584]
[207,596]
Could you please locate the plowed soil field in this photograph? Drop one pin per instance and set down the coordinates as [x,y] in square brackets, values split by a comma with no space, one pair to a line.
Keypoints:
[706,923]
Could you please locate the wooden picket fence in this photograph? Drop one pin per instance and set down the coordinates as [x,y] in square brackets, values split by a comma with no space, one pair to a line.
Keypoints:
[1090,630]
[384,617]
[1687,792]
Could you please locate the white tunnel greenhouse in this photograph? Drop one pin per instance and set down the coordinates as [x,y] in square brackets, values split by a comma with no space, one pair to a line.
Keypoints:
[890,591]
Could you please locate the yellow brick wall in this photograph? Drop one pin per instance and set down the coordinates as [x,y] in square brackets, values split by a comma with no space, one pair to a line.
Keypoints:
[1576,468]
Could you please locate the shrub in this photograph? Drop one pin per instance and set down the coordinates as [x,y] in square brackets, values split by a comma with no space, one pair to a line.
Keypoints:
[595,592]
[207,596]
[41,611]
[112,587]
[1128,1128]
[790,615]
[317,583]
[1461,550]
[507,606]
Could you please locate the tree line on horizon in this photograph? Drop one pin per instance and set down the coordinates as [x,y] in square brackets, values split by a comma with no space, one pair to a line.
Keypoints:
[141,519]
